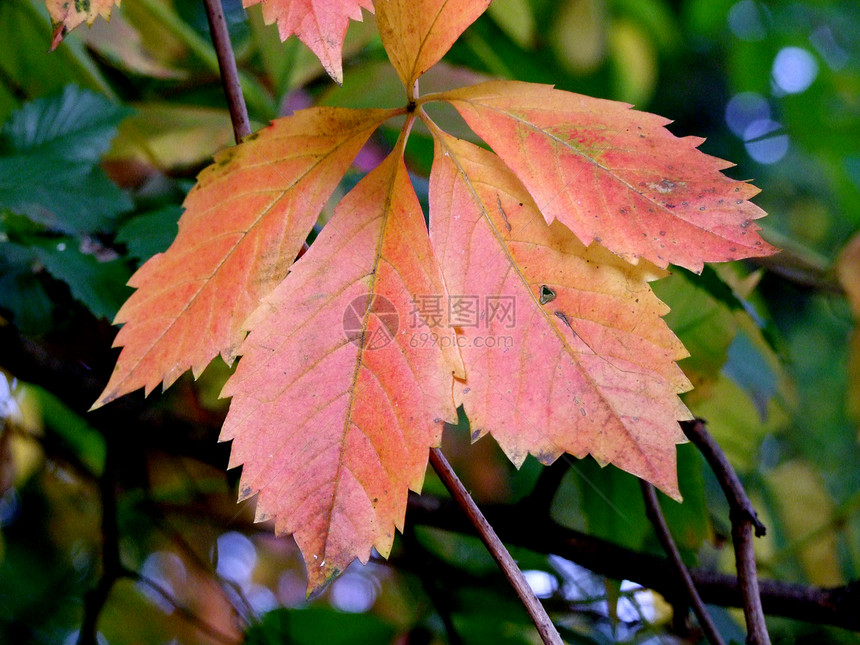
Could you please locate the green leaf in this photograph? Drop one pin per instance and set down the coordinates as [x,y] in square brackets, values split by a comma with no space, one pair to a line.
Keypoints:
[172,136]
[516,19]
[150,233]
[318,625]
[76,125]
[22,295]
[25,68]
[464,551]
[98,285]
[655,17]
[612,504]
[703,322]
[58,195]
[49,154]
[688,522]
[737,423]
[71,430]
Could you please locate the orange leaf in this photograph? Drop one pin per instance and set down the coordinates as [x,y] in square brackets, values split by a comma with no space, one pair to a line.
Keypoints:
[334,408]
[571,354]
[68,14]
[418,33]
[319,24]
[614,175]
[243,225]
[848,272]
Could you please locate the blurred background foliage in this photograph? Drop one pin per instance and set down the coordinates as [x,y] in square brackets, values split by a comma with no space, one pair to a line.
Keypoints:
[102,139]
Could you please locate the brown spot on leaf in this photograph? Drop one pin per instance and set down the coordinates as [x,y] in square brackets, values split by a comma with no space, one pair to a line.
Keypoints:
[546,294]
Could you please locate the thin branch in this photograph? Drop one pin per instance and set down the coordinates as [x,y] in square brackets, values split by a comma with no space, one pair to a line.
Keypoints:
[831,606]
[652,510]
[229,72]
[244,613]
[726,475]
[181,610]
[546,629]
[742,537]
[77,379]
[744,519]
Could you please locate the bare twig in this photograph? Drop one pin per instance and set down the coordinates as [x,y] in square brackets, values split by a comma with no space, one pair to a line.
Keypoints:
[831,606]
[726,475]
[229,72]
[244,613]
[78,379]
[546,629]
[181,610]
[744,519]
[652,510]
[742,537]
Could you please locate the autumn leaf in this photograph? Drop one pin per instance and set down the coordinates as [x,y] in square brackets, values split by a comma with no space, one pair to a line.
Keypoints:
[848,273]
[571,354]
[334,408]
[68,14]
[243,225]
[319,24]
[417,35]
[344,380]
[614,175]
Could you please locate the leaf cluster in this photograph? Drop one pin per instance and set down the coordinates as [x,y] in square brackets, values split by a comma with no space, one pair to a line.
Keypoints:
[770,360]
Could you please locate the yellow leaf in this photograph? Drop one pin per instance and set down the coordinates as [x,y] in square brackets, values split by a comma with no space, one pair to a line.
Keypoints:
[243,225]
[804,507]
[418,33]
[68,14]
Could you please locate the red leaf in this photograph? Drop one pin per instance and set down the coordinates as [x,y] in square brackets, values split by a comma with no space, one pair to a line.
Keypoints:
[614,175]
[334,408]
[319,24]
[243,225]
[571,354]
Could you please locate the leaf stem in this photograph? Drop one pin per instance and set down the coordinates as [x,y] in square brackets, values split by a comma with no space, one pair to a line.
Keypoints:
[229,72]
[257,96]
[548,633]
[652,510]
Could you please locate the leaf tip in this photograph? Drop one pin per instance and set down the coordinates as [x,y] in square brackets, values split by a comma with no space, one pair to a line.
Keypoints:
[246,492]
[261,514]
[320,575]
[60,32]
[674,493]
[108,395]
[99,403]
